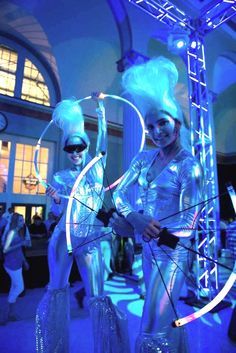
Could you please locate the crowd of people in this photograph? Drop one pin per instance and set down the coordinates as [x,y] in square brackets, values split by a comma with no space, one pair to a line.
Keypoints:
[169,180]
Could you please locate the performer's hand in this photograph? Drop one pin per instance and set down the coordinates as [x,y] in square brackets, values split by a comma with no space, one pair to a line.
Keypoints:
[145,225]
[52,192]
[168,239]
[98,97]
[121,226]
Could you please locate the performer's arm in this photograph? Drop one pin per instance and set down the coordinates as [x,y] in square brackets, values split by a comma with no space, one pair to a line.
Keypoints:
[130,178]
[7,246]
[53,190]
[28,243]
[190,195]
[101,147]
[102,124]
[8,239]
[143,224]
[102,128]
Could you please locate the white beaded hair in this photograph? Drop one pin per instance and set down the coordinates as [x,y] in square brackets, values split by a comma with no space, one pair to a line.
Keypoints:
[68,116]
[151,85]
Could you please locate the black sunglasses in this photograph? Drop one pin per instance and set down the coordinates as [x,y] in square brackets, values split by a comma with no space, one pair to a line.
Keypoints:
[75,148]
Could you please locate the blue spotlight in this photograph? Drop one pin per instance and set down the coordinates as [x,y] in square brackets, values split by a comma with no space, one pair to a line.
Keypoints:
[178,40]
[180,43]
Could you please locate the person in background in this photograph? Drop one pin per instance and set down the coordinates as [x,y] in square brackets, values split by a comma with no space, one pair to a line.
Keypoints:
[7,215]
[49,221]
[170,181]
[16,236]
[39,235]
[3,222]
[52,226]
[37,229]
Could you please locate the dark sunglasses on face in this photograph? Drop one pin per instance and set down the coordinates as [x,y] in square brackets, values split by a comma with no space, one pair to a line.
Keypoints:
[74,148]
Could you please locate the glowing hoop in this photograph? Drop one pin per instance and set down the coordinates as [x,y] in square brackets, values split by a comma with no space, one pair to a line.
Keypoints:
[223,292]
[73,191]
[36,153]
[220,296]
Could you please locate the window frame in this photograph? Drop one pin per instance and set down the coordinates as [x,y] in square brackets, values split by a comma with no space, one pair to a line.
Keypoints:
[25,51]
[9,197]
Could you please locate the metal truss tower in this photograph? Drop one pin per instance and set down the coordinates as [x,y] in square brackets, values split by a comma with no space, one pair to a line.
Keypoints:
[201,120]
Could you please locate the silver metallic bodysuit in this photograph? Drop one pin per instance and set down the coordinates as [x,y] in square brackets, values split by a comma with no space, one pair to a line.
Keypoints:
[52,317]
[88,199]
[165,198]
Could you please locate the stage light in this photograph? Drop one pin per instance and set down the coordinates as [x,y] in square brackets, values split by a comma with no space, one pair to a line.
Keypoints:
[178,40]
[193,44]
[180,43]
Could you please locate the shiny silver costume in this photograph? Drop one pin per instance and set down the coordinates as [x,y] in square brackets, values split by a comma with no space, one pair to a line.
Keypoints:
[176,188]
[52,319]
[89,193]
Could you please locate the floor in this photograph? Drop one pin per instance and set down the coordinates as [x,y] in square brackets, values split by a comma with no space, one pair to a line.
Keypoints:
[206,335]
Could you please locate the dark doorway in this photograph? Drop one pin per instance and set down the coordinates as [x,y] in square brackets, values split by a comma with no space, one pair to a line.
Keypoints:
[29,210]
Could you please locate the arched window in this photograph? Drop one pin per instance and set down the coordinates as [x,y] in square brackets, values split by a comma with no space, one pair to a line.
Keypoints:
[8,65]
[34,88]
[24,76]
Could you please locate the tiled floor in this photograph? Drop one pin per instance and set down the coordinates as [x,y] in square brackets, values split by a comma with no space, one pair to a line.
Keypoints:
[206,335]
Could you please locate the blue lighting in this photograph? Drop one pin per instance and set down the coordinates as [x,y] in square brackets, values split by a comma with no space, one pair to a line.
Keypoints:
[217,318]
[136,307]
[117,290]
[178,39]
[180,44]
[194,44]
[119,278]
[115,283]
[116,298]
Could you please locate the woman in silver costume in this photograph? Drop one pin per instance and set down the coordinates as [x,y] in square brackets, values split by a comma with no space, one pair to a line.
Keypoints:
[169,180]
[52,318]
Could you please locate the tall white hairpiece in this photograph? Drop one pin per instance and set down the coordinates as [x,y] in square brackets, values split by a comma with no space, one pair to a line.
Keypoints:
[152,84]
[68,116]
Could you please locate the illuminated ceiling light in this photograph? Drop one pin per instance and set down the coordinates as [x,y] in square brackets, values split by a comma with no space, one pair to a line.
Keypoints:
[180,43]
[193,44]
[178,40]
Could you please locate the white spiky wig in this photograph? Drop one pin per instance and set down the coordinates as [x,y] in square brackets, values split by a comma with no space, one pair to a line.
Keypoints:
[68,116]
[152,85]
